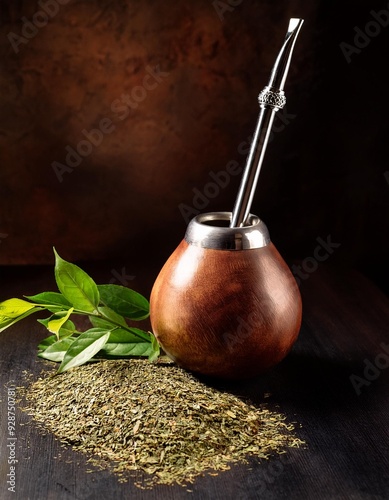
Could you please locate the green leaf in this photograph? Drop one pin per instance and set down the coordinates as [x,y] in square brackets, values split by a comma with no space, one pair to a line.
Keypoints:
[53,301]
[110,319]
[124,301]
[155,349]
[49,298]
[130,335]
[12,308]
[111,315]
[75,285]
[67,329]
[84,348]
[57,350]
[100,323]
[7,322]
[45,343]
[56,309]
[54,325]
[127,334]
[45,322]
[120,350]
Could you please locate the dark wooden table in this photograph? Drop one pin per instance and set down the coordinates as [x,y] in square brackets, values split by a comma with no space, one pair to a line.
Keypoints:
[324,385]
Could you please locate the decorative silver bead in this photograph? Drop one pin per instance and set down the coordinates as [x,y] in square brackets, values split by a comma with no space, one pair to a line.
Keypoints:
[272,98]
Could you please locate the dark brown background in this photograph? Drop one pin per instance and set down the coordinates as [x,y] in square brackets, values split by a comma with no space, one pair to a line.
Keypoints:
[323,174]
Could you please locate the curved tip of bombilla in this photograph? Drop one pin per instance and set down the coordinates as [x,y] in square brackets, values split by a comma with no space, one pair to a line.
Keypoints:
[295,24]
[281,66]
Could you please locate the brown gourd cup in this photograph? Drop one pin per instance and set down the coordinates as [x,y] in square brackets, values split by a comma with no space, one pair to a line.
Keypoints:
[225,304]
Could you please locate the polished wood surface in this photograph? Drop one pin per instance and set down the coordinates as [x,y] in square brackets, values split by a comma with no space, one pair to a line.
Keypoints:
[345,325]
[225,313]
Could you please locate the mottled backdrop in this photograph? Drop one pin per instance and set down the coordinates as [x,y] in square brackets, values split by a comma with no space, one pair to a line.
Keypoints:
[171,87]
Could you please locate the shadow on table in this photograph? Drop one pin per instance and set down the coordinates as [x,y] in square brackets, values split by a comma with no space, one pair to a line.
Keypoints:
[304,380]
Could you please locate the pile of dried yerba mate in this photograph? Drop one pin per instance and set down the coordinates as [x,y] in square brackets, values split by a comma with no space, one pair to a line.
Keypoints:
[155,418]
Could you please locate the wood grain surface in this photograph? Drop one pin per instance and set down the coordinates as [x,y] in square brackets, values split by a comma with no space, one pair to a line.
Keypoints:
[345,325]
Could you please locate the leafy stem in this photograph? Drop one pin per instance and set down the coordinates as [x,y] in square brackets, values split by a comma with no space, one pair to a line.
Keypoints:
[108,307]
[98,314]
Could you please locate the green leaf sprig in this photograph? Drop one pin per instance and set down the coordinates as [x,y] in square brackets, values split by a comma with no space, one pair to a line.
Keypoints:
[107,306]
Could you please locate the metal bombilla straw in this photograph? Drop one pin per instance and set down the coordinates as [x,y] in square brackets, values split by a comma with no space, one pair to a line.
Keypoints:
[271,99]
